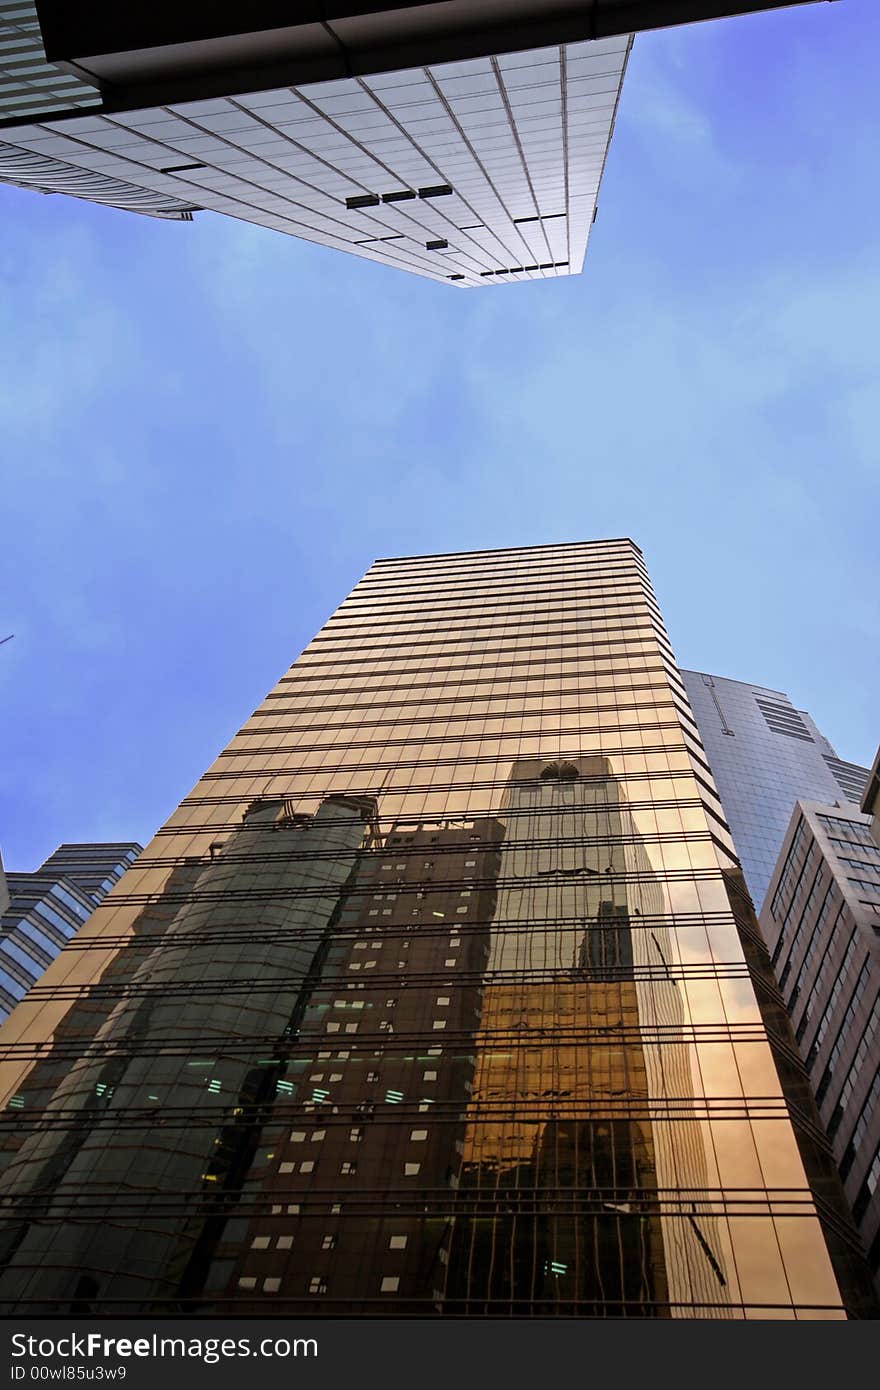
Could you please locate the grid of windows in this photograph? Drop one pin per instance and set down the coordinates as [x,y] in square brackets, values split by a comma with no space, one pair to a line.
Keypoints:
[832,957]
[833,997]
[850,831]
[802,914]
[866,1050]
[860,1129]
[818,989]
[846,1025]
[562,1100]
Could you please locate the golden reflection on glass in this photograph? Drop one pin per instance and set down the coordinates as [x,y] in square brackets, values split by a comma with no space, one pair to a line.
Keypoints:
[437,995]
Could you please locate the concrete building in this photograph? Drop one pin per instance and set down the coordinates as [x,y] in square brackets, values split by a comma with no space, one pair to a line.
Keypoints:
[821,921]
[44,910]
[765,754]
[463,141]
[441,994]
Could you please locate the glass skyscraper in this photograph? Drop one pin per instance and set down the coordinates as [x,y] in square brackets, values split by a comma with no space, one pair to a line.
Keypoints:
[440,994]
[765,755]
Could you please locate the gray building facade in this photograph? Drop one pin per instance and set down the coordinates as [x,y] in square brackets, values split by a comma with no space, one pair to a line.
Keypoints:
[765,754]
[821,921]
[44,910]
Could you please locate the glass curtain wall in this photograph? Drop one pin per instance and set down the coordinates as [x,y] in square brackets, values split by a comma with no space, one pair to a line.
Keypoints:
[440,994]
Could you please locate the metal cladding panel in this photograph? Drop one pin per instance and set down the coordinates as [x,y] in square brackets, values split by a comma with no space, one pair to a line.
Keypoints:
[489,150]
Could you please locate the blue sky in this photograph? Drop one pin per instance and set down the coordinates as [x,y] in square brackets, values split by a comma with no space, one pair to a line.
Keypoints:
[209,431]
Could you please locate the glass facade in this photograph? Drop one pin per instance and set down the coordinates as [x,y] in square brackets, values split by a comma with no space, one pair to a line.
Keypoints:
[765,755]
[441,994]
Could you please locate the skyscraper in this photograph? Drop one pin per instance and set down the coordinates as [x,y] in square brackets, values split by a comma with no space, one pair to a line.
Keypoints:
[467,157]
[765,755]
[440,994]
[42,911]
[820,922]
[463,140]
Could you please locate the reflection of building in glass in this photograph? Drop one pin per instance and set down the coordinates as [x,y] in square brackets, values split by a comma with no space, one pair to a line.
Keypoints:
[173,1088]
[580,1158]
[383,1073]
[468,1014]
[820,920]
[764,755]
[45,909]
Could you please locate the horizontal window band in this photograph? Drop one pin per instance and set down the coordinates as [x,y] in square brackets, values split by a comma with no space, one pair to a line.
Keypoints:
[396,1115]
[462,985]
[511,732]
[415,819]
[576,574]
[519,269]
[495,708]
[409,637]
[309,681]
[611,571]
[540,217]
[656,878]
[548,592]
[334,715]
[557,609]
[389,667]
[398,848]
[192,1044]
[410,789]
[679,751]
[641,626]
[523,554]
[180,168]
[431,929]
[446,741]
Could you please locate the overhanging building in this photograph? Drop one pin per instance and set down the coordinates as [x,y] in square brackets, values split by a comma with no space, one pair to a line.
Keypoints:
[440,994]
[463,141]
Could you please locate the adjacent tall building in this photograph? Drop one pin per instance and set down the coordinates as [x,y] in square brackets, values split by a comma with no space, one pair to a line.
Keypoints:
[441,994]
[463,141]
[43,911]
[765,754]
[821,922]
